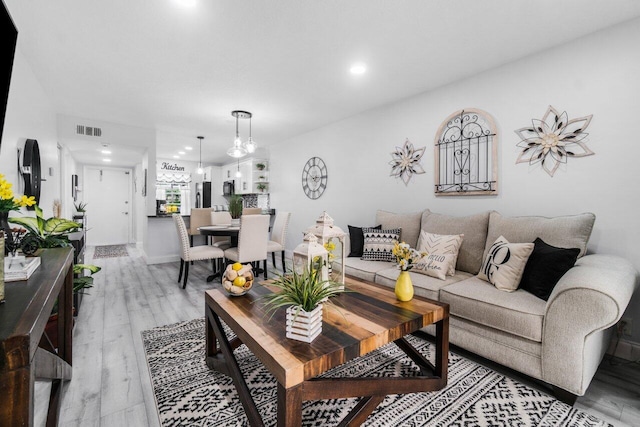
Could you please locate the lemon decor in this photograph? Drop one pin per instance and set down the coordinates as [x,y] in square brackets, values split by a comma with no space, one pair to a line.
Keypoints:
[237,279]
[406,256]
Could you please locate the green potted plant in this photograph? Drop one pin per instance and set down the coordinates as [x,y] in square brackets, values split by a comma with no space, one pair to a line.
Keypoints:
[261,186]
[235,207]
[261,166]
[80,207]
[44,233]
[303,295]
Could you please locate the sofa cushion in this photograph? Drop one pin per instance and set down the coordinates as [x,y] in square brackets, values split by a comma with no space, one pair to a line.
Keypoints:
[546,265]
[408,222]
[356,240]
[423,286]
[378,244]
[519,313]
[435,265]
[361,269]
[504,264]
[572,231]
[441,244]
[474,228]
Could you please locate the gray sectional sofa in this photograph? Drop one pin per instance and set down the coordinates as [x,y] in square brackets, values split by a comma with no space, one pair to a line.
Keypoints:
[560,341]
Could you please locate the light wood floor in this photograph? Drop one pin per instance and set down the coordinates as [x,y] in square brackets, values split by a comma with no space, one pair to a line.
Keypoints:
[111,385]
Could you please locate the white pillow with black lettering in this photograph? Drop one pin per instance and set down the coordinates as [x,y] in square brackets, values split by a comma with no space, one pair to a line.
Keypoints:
[435,265]
[504,264]
[441,244]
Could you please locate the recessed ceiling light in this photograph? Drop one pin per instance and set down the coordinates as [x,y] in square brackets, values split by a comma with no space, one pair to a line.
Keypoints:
[188,148]
[105,151]
[358,69]
[106,160]
[185,3]
[176,157]
[181,152]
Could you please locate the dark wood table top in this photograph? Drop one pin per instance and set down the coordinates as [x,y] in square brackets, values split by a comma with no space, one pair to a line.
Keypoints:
[366,318]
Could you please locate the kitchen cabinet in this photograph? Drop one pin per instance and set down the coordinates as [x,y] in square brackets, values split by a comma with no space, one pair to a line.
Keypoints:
[253,180]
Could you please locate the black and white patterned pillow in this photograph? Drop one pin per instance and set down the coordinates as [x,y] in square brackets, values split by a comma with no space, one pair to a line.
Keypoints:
[378,244]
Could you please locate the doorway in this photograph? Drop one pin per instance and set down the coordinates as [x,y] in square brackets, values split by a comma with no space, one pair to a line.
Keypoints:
[107,192]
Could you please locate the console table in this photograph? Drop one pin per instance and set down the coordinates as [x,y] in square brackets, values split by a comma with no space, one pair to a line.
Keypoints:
[23,318]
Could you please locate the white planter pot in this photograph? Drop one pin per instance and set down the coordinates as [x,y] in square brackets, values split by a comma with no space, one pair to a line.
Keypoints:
[235,222]
[307,325]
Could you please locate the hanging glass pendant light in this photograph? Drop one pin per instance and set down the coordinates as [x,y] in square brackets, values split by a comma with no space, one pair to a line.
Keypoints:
[238,173]
[250,144]
[200,171]
[238,150]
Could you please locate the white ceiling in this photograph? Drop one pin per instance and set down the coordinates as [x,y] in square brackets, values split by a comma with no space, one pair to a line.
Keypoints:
[182,70]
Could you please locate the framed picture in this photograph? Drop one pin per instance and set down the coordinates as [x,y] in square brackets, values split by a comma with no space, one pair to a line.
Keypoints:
[74,187]
[144,184]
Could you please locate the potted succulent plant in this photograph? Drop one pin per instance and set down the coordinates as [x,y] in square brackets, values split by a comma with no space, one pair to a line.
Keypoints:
[303,295]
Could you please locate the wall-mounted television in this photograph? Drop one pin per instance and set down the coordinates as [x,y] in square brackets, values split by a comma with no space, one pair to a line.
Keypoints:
[9,37]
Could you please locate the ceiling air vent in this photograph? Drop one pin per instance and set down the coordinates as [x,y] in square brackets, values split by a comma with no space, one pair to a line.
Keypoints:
[88,130]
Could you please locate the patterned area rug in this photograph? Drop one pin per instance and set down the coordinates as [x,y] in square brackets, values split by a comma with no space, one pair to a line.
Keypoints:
[187,393]
[110,251]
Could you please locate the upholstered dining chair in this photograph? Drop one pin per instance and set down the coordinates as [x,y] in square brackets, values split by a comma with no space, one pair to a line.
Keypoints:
[252,241]
[252,211]
[190,253]
[199,217]
[221,218]
[278,237]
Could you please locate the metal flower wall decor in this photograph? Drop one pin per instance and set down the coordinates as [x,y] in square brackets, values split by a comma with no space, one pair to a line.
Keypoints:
[552,140]
[406,162]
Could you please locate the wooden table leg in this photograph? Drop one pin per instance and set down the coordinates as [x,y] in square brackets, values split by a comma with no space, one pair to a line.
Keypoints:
[442,349]
[231,367]
[289,406]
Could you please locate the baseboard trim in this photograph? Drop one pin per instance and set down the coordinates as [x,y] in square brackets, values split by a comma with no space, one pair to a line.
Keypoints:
[627,350]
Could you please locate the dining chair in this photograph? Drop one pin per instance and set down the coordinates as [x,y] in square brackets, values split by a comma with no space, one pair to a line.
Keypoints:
[190,253]
[252,211]
[252,241]
[278,237]
[199,217]
[221,218]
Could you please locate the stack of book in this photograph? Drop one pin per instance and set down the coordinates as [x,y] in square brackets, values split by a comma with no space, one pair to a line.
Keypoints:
[19,270]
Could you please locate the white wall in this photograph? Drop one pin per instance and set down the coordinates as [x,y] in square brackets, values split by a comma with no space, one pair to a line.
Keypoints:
[30,115]
[595,75]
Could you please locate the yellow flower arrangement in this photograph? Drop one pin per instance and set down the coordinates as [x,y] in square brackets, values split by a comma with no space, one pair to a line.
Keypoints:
[406,255]
[7,200]
[330,247]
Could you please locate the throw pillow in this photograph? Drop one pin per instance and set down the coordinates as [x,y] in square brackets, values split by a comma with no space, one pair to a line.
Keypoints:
[435,265]
[356,240]
[546,265]
[378,244]
[504,264]
[441,244]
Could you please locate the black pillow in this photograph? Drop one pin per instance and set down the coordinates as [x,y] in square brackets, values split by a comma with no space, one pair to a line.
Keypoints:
[356,239]
[546,265]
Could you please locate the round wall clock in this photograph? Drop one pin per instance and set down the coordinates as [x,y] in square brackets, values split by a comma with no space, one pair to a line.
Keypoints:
[31,170]
[314,178]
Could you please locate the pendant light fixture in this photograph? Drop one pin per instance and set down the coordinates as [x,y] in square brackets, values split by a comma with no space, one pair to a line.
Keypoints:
[238,173]
[200,170]
[239,149]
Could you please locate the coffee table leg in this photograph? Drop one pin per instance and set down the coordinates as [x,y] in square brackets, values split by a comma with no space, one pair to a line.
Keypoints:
[442,349]
[232,368]
[289,406]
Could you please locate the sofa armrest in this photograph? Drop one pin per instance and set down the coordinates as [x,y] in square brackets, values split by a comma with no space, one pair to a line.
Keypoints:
[590,298]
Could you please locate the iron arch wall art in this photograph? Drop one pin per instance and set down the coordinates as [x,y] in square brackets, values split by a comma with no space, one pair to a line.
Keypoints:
[466,154]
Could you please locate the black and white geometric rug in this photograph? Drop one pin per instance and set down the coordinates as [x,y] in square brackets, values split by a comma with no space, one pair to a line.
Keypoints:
[189,394]
[110,251]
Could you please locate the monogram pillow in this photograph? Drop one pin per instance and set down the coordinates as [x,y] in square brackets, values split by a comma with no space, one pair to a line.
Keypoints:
[435,265]
[442,245]
[504,264]
[378,244]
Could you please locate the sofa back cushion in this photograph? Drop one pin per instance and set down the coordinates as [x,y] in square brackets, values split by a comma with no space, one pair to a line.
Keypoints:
[474,228]
[572,231]
[408,222]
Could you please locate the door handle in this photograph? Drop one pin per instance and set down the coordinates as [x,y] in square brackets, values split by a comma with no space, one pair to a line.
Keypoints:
[126,213]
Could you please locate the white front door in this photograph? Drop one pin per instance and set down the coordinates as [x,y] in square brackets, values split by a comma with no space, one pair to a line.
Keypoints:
[107,193]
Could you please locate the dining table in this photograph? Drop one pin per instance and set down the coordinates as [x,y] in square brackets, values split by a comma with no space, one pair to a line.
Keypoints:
[220,230]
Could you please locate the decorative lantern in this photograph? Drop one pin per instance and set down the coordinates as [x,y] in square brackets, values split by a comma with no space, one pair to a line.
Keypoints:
[326,232]
[311,255]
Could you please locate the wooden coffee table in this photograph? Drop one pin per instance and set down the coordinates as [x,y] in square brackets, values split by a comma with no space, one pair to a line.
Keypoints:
[370,316]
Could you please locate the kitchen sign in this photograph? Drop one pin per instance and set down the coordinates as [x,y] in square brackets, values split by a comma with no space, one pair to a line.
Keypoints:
[174,167]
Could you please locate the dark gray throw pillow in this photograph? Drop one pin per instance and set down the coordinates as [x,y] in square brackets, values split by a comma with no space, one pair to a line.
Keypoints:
[546,265]
[356,240]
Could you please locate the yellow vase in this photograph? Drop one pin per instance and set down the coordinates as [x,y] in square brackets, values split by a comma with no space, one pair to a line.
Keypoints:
[404,287]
